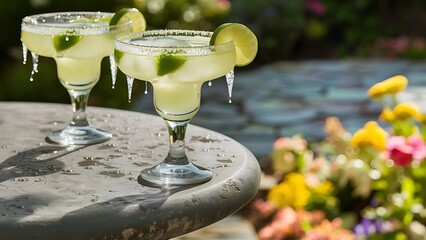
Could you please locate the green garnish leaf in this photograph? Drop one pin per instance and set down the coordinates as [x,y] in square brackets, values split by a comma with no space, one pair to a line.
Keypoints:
[168,63]
[65,40]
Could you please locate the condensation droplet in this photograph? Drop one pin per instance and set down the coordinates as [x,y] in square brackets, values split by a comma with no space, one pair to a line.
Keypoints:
[129,87]
[35,65]
[230,81]
[113,68]
[24,53]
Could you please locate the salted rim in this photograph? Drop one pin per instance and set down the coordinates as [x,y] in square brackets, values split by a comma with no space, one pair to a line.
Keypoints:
[35,24]
[122,43]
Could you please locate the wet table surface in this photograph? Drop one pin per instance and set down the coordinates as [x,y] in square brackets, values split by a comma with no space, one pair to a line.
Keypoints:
[58,192]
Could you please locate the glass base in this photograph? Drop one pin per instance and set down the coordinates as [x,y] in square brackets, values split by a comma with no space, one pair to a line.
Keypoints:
[72,135]
[171,174]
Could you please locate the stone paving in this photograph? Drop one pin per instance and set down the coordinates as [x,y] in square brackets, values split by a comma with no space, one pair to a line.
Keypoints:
[287,98]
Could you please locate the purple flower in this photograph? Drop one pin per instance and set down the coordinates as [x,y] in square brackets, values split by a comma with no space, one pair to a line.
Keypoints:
[370,226]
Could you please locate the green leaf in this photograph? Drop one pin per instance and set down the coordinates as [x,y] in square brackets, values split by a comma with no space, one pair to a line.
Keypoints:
[408,189]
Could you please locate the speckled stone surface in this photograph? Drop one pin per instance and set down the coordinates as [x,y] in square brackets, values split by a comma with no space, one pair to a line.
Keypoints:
[54,192]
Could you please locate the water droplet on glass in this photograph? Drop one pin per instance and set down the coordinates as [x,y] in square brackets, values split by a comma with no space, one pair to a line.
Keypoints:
[67,38]
[129,87]
[113,67]
[230,81]
[146,88]
[35,65]
[210,83]
[24,53]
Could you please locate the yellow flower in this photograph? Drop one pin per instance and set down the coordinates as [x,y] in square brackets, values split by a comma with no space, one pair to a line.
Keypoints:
[391,85]
[370,135]
[404,111]
[421,118]
[377,90]
[324,188]
[293,191]
[387,115]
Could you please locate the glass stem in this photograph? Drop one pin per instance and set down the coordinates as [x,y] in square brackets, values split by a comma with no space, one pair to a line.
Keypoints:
[177,132]
[79,102]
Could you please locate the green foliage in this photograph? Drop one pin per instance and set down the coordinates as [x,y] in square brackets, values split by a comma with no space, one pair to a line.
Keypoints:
[277,24]
[184,14]
[295,29]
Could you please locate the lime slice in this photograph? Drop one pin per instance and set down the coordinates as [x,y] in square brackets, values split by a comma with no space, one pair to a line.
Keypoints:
[118,55]
[244,39]
[167,63]
[132,14]
[65,40]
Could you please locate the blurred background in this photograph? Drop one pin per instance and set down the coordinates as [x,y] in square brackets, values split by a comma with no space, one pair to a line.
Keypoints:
[304,71]
[286,30]
[300,76]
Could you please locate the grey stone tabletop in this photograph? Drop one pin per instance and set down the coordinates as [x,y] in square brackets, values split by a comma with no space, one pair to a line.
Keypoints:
[58,192]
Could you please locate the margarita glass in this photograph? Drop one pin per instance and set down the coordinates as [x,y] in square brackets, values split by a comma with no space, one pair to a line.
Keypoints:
[78,41]
[176,63]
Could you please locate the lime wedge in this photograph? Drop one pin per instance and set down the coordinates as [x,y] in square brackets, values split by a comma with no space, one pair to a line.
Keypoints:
[65,40]
[167,63]
[118,55]
[244,39]
[132,14]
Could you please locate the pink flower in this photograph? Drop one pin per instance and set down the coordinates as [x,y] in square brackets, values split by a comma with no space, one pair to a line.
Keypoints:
[403,151]
[295,143]
[419,147]
[284,224]
[265,208]
[327,230]
[315,6]
[291,224]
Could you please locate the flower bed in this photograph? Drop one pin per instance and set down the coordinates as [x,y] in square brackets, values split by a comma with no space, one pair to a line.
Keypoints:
[366,185]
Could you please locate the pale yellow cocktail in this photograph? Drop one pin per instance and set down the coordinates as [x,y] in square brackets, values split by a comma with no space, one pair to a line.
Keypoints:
[176,63]
[78,41]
